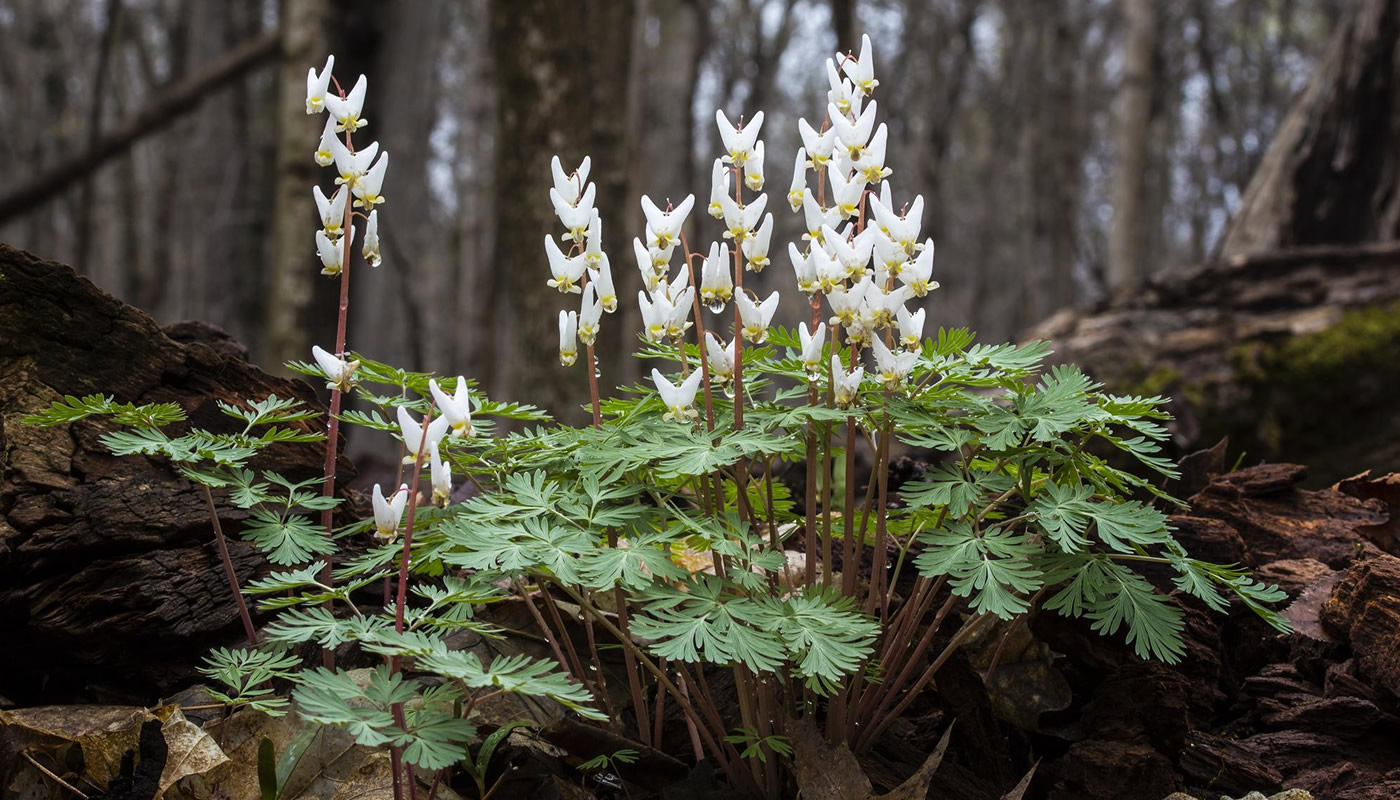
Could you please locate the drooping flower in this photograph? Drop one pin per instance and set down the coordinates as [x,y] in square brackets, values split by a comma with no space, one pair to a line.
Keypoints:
[861,70]
[316,86]
[566,271]
[332,211]
[739,143]
[719,188]
[756,246]
[413,435]
[716,281]
[889,256]
[871,163]
[568,337]
[805,270]
[370,251]
[819,145]
[325,154]
[756,317]
[388,513]
[853,255]
[352,166]
[590,315]
[882,307]
[816,216]
[845,193]
[846,384]
[332,252]
[845,303]
[576,215]
[893,366]
[656,313]
[853,134]
[679,400]
[441,477]
[917,274]
[812,343]
[753,168]
[740,221]
[841,93]
[799,181]
[603,283]
[911,327]
[570,185]
[829,272]
[666,225]
[347,111]
[719,358]
[367,188]
[456,408]
[593,243]
[678,320]
[340,374]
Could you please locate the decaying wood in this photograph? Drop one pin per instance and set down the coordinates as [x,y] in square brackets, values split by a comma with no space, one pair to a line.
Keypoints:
[108,574]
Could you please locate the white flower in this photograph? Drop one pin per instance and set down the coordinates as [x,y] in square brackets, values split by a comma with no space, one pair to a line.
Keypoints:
[441,476]
[388,513]
[881,307]
[719,359]
[679,400]
[656,312]
[756,246]
[340,374]
[871,162]
[916,275]
[576,215]
[370,251]
[455,408]
[332,211]
[829,272]
[316,86]
[347,111]
[852,135]
[738,143]
[678,320]
[568,337]
[845,193]
[332,252]
[862,71]
[566,271]
[889,256]
[845,303]
[651,278]
[805,270]
[753,168]
[903,229]
[413,434]
[853,256]
[716,282]
[589,315]
[812,343]
[756,318]
[352,166]
[842,93]
[719,188]
[819,146]
[816,216]
[593,243]
[666,225]
[740,221]
[603,283]
[570,185]
[846,384]
[911,327]
[325,153]
[893,367]
[799,181]
[367,188]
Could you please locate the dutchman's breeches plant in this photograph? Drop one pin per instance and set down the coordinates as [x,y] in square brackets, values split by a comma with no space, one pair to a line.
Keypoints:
[660,546]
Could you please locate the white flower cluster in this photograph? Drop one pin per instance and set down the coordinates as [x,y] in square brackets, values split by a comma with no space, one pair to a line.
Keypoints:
[584,269]
[862,252]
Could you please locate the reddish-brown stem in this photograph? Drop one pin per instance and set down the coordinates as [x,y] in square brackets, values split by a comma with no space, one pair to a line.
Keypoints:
[593,388]
[229,574]
[810,520]
[634,680]
[889,690]
[660,709]
[598,670]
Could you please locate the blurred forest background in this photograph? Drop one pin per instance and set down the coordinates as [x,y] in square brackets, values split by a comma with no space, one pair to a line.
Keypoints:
[1066,150]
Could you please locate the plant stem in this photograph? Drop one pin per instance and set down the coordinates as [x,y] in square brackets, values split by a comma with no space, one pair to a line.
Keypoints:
[229,574]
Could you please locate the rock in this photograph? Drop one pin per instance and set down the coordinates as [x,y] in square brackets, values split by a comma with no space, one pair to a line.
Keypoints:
[1364,609]
[109,579]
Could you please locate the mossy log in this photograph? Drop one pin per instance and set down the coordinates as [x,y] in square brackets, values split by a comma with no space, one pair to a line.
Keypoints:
[109,577]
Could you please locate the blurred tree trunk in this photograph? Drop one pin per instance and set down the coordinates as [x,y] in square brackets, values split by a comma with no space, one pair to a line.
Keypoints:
[1132,121]
[1332,173]
[291,262]
[843,24]
[561,71]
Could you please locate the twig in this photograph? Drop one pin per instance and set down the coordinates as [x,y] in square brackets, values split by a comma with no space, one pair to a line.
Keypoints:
[43,769]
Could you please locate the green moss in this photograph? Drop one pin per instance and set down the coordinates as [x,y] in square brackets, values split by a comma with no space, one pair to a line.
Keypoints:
[1362,341]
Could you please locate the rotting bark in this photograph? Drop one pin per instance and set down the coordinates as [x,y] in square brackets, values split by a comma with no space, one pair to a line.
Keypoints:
[109,578]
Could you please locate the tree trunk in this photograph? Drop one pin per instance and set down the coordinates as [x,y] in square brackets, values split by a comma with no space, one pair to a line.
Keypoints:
[1131,130]
[561,69]
[1330,175]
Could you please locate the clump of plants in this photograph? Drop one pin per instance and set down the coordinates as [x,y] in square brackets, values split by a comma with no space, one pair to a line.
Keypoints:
[662,530]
